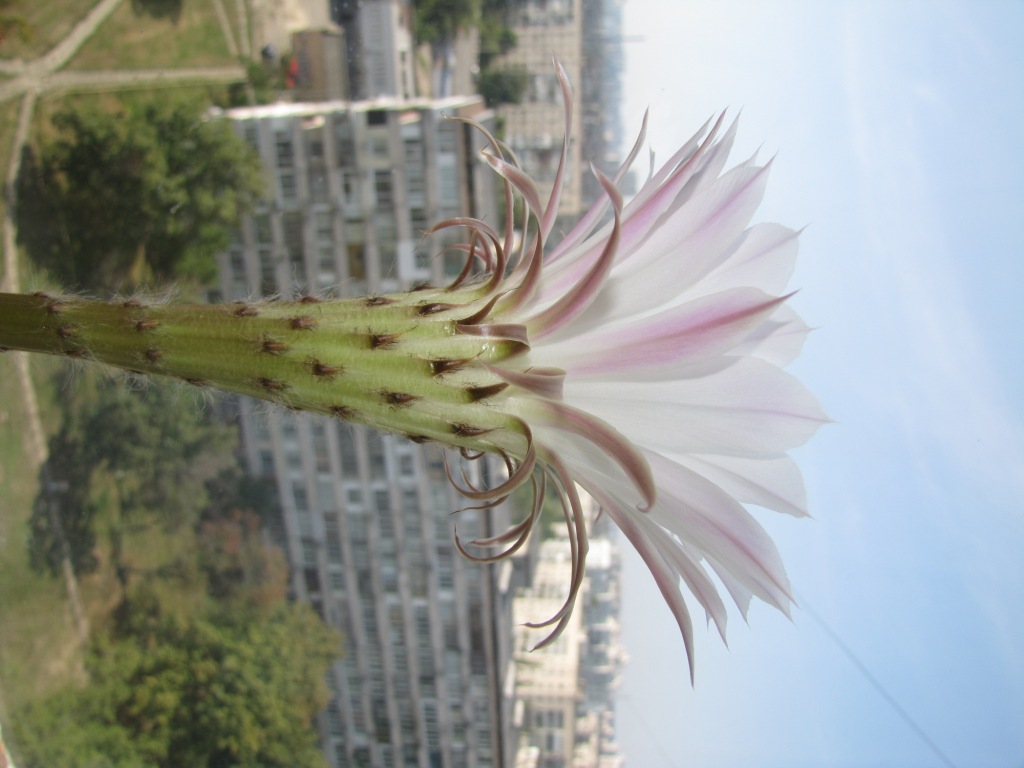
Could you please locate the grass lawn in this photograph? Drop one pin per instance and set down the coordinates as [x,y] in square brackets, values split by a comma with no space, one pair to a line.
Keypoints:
[127,40]
[38,651]
[49,20]
[242,27]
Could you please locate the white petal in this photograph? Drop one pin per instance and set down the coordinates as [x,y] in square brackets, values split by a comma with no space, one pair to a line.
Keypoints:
[750,408]
[665,576]
[701,514]
[764,257]
[779,340]
[773,483]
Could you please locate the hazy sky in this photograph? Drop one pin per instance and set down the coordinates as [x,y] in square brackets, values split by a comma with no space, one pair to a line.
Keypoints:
[897,129]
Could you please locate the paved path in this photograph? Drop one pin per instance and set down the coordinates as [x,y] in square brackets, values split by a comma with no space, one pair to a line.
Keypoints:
[86,80]
[62,52]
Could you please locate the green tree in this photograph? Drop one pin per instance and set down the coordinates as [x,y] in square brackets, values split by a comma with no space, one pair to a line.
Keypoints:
[235,687]
[152,194]
[496,33]
[437,21]
[503,86]
[131,459]
[238,566]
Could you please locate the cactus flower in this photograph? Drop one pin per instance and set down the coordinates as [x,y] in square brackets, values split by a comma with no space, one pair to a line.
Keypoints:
[640,360]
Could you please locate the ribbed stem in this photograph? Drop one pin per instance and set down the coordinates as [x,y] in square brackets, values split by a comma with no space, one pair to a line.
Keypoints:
[399,362]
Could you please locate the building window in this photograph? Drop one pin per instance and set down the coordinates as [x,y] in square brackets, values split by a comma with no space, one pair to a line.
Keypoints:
[251,134]
[338,581]
[383,191]
[284,149]
[378,146]
[410,501]
[447,138]
[301,496]
[387,245]
[266,463]
[406,465]
[350,200]
[344,142]
[286,181]
[332,534]
[264,233]
[268,272]
[294,241]
[318,188]
[324,222]
[448,186]
[308,553]
[376,451]
[356,261]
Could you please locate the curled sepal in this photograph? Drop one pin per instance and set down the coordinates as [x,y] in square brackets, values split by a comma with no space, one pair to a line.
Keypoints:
[606,438]
[545,382]
[572,511]
[518,534]
[580,296]
[519,475]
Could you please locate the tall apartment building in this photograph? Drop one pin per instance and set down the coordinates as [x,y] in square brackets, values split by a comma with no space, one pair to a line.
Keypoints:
[381,49]
[565,691]
[601,90]
[586,37]
[547,679]
[424,676]
[534,128]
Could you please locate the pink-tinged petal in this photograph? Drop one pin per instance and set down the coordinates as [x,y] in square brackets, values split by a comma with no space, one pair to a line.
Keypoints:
[680,253]
[696,331]
[585,226]
[671,260]
[496,331]
[582,294]
[672,184]
[642,214]
[496,150]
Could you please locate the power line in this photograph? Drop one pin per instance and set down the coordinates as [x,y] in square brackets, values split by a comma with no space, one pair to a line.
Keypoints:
[875,683]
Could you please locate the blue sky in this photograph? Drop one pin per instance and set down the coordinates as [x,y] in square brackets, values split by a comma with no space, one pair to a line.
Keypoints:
[897,129]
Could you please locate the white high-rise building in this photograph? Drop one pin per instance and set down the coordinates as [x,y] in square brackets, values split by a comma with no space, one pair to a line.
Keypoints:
[424,675]
[565,690]
[534,128]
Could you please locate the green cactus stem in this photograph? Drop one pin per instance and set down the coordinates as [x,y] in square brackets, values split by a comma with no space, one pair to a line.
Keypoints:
[411,363]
